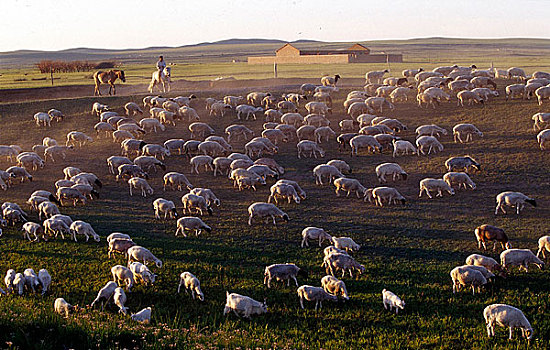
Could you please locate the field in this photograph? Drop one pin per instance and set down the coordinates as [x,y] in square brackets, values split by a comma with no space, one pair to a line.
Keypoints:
[407,249]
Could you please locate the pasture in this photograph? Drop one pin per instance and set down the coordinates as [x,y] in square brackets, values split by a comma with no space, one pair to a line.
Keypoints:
[407,249]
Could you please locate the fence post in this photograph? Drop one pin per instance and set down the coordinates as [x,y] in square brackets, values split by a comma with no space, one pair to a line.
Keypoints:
[275,69]
[51,75]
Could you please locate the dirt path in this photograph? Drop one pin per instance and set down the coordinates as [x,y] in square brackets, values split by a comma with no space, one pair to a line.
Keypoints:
[180,86]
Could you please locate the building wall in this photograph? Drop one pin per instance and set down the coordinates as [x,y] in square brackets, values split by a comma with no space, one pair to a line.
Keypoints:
[377,58]
[288,51]
[308,59]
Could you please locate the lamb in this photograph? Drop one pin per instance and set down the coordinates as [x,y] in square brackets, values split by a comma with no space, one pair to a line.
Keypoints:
[191,283]
[364,141]
[403,147]
[119,297]
[191,223]
[316,294]
[385,194]
[465,276]
[326,171]
[18,172]
[294,184]
[311,147]
[138,253]
[507,316]
[375,77]
[123,274]
[197,203]
[439,185]
[282,272]
[140,184]
[512,199]
[344,262]
[105,294]
[143,316]
[544,245]
[391,300]
[489,263]
[392,169]
[330,81]
[42,118]
[314,233]
[47,209]
[45,280]
[515,90]
[334,286]
[83,228]
[243,305]
[56,226]
[459,179]
[520,258]
[542,93]
[200,130]
[429,142]
[345,243]
[31,228]
[161,205]
[142,274]
[62,307]
[283,191]
[343,184]
[31,280]
[120,245]
[262,209]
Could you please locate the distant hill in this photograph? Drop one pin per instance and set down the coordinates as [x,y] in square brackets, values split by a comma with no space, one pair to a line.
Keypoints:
[236,49]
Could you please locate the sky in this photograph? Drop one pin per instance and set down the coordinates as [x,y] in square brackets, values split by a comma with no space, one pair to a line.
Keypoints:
[120,24]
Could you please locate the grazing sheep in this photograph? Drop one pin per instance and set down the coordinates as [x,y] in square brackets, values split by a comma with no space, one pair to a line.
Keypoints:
[199,161]
[31,280]
[191,223]
[378,103]
[45,280]
[391,300]
[120,245]
[306,147]
[105,294]
[62,307]
[243,305]
[117,235]
[18,283]
[191,283]
[143,316]
[515,90]
[119,297]
[140,184]
[384,194]
[314,233]
[439,185]
[42,118]
[326,171]
[166,207]
[424,98]
[176,180]
[520,258]
[137,253]
[540,120]
[262,209]
[465,276]
[132,109]
[196,203]
[222,165]
[485,261]
[18,172]
[324,133]
[12,216]
[429,142]
[31,228]
[334,286]
[343,184]
[263,171]
[283,272]
[316,294]
[47,209]
[338,261]
[83,228]
[513,199]
[364,141]
[122,274]
[294,184]
[345,243]
[375,77]
[544,245]
[471,97]
[200,130]
[507,316]
[462,163]
[142,273]
[284,191]
[517,73]
[542,93]
[387,169]
[129,171]
[430,130]
[485,93]
[403,147]
[459,179]
[9,281]
[75,137]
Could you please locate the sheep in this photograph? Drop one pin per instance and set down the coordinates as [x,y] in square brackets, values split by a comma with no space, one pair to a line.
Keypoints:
[198,161]
[275,136]
[128,171]
[117,235]
[459,179]
[263,171]
[222,165]
[262,209]
[184,100]
[200,130]
[18,172]
[543,138]
[161,205]
[334,286]
[294,184]
[12,216]
[141,184]
[489,263]
[75,137]
[316,294]
[515,90]
[123,274]
[70,194]
[345,243]
[132,109]
[314,233]
[219,109]
[240,164]
[462,163]
[191,223]
[403,147]
[364,141]
[330,81]
[45,280]
[512,199]
[105,293]
[9,281]
[542,93]
[436,93]
[155,150]
[83,228]
[18,283]
[385,194]
[391,300]
[326,171]
[197,203]
[540,120]
[480,82]
[63,183]
[282,272]
[138,253]
[243,305]
[520,258]
[119,297]
[120,245]
[469,96]
[429,142]
[191,283]
[422,98]
[378,103]
[142,274]
[517,73]
[143,316]
[235,132]
[430,130]
[288,130]
[385,91]
[283,191]
[255,148]
[401,94]
[272,115]
[392,169]
[56,226]
[151,125]
[119,136]
[343,184]
[544,245]
[176,181]
[375,77]
[148,163]
[31,280]
[31,228]
[324,133]
[439,185]
[188,113]
[98,108]
[306,132]
[338,261]
[295,119]
[348,125]
[47,209]
[465,276]
[309,147]
[62,307]
[42,118]
[410,73]
[506,316]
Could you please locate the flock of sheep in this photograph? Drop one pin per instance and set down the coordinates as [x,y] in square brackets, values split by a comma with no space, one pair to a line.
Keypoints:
[363,130]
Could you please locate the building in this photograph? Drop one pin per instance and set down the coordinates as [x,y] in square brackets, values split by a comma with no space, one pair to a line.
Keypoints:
[357,53]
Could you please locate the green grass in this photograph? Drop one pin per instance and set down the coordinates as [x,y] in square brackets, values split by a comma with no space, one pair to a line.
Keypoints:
[407,249]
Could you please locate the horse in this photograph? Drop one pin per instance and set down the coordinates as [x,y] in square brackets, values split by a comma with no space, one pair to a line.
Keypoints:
[107,78]
[163,79]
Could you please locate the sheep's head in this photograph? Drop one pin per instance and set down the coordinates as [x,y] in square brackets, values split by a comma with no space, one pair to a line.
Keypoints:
[285,217]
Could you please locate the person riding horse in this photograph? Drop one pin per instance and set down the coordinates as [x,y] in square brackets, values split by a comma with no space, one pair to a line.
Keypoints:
[161,65]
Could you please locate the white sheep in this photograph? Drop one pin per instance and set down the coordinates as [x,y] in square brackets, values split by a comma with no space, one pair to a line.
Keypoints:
[143,316]
[122,274]
[385,194]
[430,130]
[544,246]
[326,171]
[31,280]
[375,77]
[262,209]
[138,253]
[506,316]
[83,228]
[191,223]
[243,305]
[192,202]
[520,258]
[314,233]
[364,141]
[47,209]
[62,307]
[378,103]
[75,137]
[489,263]
[338,261]
[542,93]
[466,276]
[166,207]
[120,245]
[349,186]
[142,273]
[391,300]
[140,184]
[345,243]
[428,142]
[294,184]
[284,191]
[191,283]
[471,97]
[401,147]
[515,90]
[439,185]
[306,147]
[459,179]
[34,229]
[390,169]
[119,297]
[513,199]
[42,118]
[105,294]
[316,294]
[334,286]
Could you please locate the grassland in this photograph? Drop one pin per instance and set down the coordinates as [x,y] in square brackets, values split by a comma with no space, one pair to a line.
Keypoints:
[407,249]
